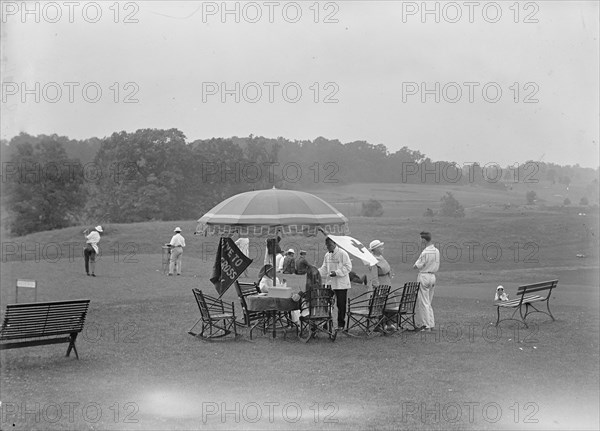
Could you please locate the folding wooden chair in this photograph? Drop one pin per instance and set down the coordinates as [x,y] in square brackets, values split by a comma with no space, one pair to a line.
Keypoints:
[365,312]
[400,309]
[247,289]
[315,313]
[216,316]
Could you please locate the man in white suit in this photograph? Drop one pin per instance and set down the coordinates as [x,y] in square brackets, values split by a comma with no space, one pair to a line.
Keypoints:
[335,272]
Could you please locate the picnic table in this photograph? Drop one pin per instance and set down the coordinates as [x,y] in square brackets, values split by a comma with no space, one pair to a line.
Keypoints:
[272,307]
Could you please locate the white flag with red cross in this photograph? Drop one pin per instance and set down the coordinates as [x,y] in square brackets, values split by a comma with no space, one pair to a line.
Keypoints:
[355,248]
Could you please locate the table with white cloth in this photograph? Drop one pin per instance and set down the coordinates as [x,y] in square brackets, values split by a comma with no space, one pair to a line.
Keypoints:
[272,307]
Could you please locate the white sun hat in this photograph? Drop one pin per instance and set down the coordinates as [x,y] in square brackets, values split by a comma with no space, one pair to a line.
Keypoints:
[374,244]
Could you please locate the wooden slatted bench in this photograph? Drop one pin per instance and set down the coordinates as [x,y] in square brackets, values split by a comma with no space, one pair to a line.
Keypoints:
[526,299]
[40,323]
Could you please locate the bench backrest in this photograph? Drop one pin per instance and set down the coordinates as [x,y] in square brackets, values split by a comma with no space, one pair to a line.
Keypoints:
[536,287]
[42,319]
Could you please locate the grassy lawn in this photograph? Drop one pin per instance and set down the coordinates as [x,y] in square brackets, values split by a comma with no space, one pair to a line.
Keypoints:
[139,369]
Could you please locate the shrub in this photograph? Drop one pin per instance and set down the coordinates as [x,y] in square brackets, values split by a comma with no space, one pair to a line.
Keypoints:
[531,196]
[451,207]
[567,201]
[372,208]
[584,201]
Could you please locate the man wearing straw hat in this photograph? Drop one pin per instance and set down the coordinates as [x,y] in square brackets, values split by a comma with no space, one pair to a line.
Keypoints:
[334,271]
[177,243]
[427,264]
[91,249]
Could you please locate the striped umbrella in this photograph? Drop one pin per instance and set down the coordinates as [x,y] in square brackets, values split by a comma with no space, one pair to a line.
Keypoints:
[272,212]
[267,213]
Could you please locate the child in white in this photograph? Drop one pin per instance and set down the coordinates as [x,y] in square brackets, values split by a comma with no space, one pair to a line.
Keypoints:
[500,294]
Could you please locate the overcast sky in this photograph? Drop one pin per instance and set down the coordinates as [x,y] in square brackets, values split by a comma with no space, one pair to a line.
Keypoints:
[177,61]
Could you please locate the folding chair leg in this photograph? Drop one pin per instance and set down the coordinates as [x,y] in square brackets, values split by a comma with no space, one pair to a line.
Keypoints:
[190,331]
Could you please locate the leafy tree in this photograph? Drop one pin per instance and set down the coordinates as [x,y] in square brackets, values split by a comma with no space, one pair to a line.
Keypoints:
[142,177]
[372,208]
[451,207]
[567,201]
[45,189]
[531,196]
[584,201]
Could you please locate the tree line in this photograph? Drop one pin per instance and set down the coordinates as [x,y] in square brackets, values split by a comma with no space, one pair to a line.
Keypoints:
[51,182]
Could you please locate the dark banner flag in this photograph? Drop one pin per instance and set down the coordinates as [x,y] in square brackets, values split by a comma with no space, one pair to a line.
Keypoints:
[230,262]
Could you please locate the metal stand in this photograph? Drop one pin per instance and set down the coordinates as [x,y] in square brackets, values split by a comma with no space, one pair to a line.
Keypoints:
[166,258]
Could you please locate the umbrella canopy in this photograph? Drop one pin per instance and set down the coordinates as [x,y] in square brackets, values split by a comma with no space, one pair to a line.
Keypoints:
[267,213]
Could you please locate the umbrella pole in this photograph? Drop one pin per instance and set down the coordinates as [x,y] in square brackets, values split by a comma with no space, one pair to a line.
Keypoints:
[274,267]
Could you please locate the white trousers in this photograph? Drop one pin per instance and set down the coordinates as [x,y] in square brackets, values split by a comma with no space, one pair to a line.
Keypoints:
[424,311]
[175,263]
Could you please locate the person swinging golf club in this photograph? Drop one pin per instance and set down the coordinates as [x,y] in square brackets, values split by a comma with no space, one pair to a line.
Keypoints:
[91,249]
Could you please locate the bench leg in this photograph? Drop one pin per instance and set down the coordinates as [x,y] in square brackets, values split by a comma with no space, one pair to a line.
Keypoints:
[72,345]
[549,313]
[548,307]
[512,317]
[523,317]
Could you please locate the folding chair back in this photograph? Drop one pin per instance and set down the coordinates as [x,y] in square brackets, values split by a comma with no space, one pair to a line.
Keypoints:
[409,297]
[319,302]
[408,303]
[378,300]
[366,311]
[243,290]
[217,317]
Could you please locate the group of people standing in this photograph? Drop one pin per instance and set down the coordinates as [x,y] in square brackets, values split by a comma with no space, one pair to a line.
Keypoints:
[337,266]
[288,263]
[91,250]
[335,270]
